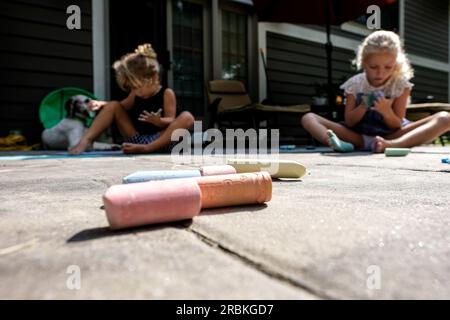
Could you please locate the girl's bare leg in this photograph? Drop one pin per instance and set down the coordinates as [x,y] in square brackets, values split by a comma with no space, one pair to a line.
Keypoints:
[111,112]
[318,127]
[416,133]
[184,121]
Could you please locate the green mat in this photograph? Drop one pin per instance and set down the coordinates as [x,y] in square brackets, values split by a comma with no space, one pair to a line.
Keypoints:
[52,108]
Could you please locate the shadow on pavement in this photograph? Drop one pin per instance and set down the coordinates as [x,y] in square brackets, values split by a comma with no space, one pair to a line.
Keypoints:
[349,154]
[292,180]
[106,232]
[229,210]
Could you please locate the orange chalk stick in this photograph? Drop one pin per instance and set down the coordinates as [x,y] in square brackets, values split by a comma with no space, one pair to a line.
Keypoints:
[235,189]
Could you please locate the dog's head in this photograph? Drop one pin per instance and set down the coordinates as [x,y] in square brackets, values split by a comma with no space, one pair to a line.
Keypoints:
[77,107]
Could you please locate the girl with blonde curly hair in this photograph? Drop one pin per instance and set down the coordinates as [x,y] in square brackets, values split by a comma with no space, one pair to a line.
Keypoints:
[376,103]
[147,117]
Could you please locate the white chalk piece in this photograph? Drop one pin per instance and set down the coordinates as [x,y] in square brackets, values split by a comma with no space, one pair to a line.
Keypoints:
[276,168]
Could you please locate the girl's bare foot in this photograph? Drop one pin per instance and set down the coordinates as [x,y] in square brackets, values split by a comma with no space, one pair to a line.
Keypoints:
[379,144]
[132,148]
[81,147]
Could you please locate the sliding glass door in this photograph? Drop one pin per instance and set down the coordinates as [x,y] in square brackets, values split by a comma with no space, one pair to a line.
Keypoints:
[188,61]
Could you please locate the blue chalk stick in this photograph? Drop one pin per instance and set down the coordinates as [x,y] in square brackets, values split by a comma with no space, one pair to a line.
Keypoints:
[143,176]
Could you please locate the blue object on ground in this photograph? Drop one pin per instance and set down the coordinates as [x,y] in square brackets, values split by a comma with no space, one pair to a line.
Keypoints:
[445,160]
[287,147]
[143,176]
[61,155]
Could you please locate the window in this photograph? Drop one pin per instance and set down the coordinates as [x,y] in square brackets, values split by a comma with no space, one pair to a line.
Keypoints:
[234,46]
[209,42]
[188,52]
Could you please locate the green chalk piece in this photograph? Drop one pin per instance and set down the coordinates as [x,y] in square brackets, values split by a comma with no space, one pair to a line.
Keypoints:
[396,152]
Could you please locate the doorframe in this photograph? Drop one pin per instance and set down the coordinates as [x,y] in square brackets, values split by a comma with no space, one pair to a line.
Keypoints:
[242,7]
[101,49]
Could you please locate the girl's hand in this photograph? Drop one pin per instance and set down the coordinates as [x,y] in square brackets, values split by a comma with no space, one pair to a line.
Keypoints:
[95,105]
[148,117]
[383,105]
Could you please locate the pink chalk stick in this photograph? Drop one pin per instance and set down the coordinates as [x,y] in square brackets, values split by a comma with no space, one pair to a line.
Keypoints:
[235,189]
[217,170]
[132,205]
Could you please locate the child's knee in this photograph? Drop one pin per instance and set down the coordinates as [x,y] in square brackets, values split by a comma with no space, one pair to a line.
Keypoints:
[308,118]
[186,119]
[111,106]
[443,119]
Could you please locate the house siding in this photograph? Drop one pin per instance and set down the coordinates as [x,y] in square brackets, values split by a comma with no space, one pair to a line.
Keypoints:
[295,65]
[38,55]
[426,35]
[337,31]
[426,28]
[428,82]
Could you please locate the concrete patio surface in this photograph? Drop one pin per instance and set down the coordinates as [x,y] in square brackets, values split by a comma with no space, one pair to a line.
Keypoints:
[357,226]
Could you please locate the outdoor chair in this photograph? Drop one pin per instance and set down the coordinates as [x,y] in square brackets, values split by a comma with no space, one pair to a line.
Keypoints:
[231,106]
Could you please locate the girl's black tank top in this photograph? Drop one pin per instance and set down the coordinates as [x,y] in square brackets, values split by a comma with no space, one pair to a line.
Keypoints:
[152,104]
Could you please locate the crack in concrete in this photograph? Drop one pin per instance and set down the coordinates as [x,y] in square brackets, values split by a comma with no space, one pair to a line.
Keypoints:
[266,270]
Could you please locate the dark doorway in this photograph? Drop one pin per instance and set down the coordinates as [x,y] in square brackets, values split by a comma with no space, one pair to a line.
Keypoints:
[135,22]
